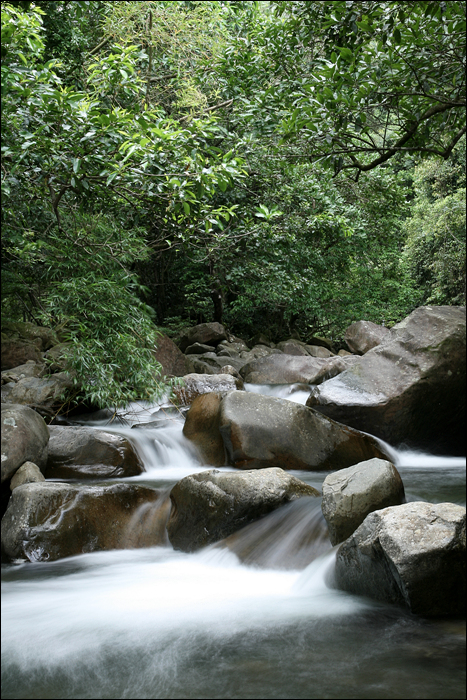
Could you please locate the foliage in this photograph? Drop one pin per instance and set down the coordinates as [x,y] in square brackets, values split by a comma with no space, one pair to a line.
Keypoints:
[434,255]
[354,83]
[197,160]
[70,155]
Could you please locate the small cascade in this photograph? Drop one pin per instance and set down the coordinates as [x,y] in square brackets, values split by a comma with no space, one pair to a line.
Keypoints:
[147,526]
[288,538]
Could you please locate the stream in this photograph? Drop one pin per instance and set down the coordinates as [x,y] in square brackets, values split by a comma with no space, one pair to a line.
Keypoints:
[250,617]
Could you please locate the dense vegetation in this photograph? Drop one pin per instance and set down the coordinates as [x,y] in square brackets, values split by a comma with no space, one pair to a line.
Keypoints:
[286,167]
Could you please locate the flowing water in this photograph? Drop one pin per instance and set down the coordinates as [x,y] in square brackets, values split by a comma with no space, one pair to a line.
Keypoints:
[250,617]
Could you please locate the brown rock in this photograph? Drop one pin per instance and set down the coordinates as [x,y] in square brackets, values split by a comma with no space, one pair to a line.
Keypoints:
[47,521]
[174,362]
[202,429]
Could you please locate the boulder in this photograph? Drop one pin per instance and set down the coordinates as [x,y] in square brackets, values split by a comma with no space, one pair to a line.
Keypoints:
[28,473]
[174,362]
[364,335]
[250,431]
[411,555]
[409,389]
[292,347]
[37,391]
[318,351]
[198,349]
[349,495]
[25,438]
[18,352]
[197,384]
[29,369]
[77,452]
[47,521]
[202,429]
[286,369]
[208,506]
[210,363]
[44,338]
[205,333]
[321,342]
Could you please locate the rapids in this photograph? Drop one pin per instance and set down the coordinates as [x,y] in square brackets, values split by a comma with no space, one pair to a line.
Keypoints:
[250,617]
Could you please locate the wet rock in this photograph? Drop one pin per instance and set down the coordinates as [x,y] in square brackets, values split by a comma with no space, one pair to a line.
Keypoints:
[47,521]
[85,453]
[202,429]
[28,473]
[211,505]
[364,335]
[174,362]
[205,333]
[411,555]
[263,431]
[197,384]
[25,438]
[409,389]
[286,369]
[349,495]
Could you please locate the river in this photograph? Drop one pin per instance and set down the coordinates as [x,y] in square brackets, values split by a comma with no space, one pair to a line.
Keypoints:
[250,617]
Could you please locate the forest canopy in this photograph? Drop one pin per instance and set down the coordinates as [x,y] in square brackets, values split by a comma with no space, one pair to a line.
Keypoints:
[284,167]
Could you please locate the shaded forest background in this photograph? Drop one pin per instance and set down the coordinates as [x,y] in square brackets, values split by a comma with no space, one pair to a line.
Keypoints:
[280,167]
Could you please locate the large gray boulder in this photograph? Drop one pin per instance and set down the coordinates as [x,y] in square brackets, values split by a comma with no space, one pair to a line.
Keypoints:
[349,495]
[77,452]
[364,335]
[25,438]
[250,431]
[196,384]
[47,521]
[208,506]
[290,369]
[411,555]
[410,388]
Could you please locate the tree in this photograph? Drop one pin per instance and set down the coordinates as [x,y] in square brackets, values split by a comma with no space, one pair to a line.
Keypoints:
[81,171]
[355,83]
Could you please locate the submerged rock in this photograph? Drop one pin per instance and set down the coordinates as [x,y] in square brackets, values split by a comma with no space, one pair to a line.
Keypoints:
[47,521]
[409,389]
[349,495]
[25,437]
[211,505]
[77,452]
[411,555]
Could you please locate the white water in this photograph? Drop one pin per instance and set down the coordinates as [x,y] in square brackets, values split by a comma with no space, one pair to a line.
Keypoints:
[250,617]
